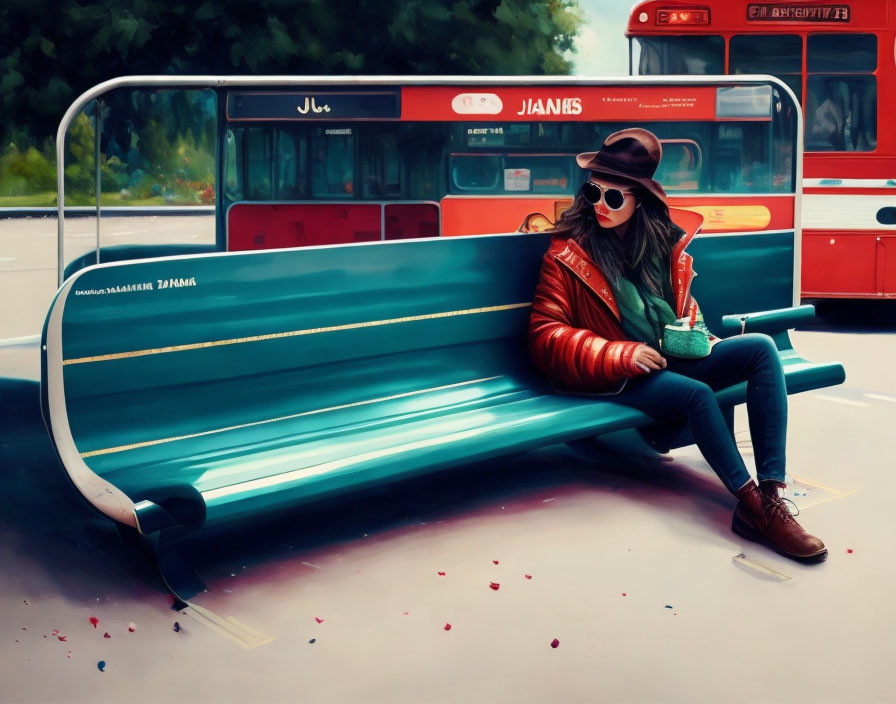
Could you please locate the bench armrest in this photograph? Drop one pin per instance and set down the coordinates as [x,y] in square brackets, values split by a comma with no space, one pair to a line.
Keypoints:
[767,321]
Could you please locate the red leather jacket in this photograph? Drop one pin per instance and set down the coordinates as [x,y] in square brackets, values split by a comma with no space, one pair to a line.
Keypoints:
[575,334]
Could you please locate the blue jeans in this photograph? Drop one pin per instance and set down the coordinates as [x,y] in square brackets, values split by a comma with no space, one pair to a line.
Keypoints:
[684,391]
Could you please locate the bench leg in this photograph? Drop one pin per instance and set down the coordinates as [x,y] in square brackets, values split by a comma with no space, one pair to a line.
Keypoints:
[174,567]
[164,565]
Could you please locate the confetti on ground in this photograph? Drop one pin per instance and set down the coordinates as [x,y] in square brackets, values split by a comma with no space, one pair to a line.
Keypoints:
[495,586]
[312,640]
[528,576]
[441,574]
[55,632]
[94,620]
[624,594]
[447,626]
[64,639]
[27,603]
[495,561]
[101,666]
[177,627]
[555,643]
[849,550]
[668,607]
[319,620]
[132,626]
[106,635]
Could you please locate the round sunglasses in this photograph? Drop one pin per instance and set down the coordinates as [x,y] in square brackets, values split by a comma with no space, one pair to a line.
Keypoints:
[613,198]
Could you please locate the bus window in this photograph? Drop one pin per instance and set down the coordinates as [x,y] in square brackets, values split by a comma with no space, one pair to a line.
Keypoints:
[258,173]
[742,159]
[536,173]
[679,169]
[692,55]
[378,159]
[841,93]
[479,172]
[780,55]
[333,162]
[233,143]
[290,166]
[841,53]
[783,136]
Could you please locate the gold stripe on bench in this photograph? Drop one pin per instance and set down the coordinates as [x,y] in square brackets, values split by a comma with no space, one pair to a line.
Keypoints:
[292,333]
[149,443]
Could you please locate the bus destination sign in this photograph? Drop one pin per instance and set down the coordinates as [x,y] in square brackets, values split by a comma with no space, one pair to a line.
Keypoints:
[775,12]
[314,105]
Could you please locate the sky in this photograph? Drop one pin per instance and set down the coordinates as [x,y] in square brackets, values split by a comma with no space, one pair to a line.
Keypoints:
[601,47]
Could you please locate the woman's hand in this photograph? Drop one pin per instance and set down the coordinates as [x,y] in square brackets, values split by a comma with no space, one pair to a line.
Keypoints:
[648,359]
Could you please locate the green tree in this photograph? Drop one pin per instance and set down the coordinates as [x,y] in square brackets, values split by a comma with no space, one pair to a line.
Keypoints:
[50,52]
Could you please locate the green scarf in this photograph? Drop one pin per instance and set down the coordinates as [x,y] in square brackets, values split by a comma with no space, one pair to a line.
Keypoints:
[644,314]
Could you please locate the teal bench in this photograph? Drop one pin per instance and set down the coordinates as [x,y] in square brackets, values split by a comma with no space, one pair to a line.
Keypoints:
[191,392]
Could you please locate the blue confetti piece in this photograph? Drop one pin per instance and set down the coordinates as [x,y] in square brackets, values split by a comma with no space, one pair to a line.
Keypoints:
[668,607]
[101,665]
[312,640]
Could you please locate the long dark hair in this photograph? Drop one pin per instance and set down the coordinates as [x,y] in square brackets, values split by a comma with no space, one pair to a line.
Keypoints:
[650,233]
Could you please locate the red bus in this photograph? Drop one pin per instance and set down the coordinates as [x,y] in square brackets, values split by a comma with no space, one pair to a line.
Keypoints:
[837,58]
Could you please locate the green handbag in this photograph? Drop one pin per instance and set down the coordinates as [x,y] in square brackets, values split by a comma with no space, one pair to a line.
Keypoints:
[687,337]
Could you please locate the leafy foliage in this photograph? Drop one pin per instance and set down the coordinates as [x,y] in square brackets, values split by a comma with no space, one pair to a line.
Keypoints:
[52,51]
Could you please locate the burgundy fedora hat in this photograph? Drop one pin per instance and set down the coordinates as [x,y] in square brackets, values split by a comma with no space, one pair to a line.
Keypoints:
[631,155]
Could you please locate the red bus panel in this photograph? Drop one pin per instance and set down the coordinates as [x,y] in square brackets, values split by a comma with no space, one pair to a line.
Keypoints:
[280,225]
[275,226]
[887,265]
[837,263]
[407,220]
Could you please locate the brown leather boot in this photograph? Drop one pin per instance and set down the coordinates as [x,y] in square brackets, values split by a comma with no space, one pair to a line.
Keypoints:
[761,515]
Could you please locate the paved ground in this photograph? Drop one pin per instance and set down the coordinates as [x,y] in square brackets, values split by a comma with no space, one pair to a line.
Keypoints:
[28,256]
[631,565]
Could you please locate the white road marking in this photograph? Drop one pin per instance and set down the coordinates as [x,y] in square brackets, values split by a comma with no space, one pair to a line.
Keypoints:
[881,397]
[845,402]
[7,259]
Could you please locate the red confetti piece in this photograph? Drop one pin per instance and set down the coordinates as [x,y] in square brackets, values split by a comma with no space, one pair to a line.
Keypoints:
[495,561]
[319,620]
[624,594]
[94,620]
[132,627]
[62,638]
[555,643]
[447,626]
[528,576]
[495,586]
[441,574]
[68,654]
[849,550]
[106,635]
[406,613]
[55,632]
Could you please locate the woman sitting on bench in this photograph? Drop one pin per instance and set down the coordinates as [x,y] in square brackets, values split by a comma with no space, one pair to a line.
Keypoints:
[616,275]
